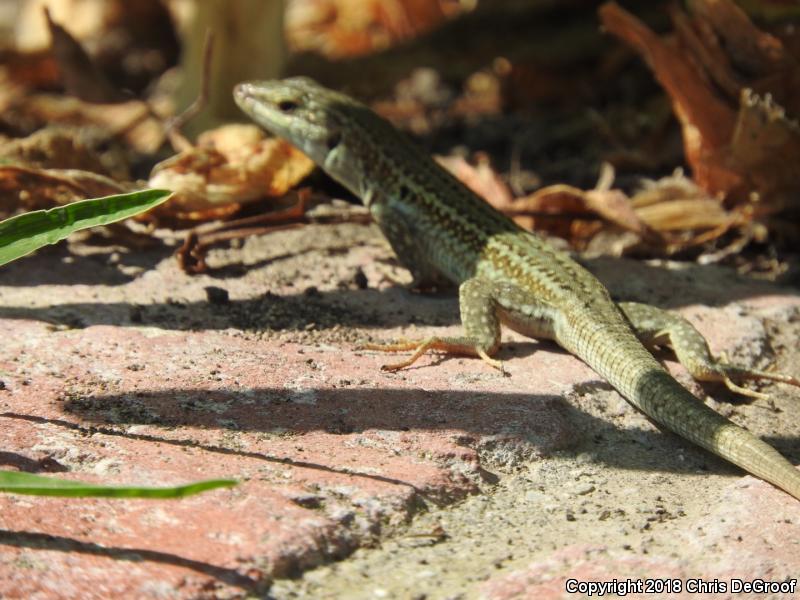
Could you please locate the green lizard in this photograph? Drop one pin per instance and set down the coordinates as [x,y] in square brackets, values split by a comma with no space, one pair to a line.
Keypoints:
[439,230]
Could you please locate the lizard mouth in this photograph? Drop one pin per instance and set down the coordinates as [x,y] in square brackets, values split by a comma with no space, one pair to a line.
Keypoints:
[243,94]
[255,101]
[267,104]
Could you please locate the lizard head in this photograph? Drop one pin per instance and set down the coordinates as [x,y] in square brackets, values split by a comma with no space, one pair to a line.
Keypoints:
[312,118]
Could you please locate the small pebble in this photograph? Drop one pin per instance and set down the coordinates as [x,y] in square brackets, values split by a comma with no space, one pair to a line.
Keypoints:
[217,295]
[360,280]
[581,489]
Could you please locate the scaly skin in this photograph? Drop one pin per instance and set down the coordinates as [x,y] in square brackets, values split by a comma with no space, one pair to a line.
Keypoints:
[440,229]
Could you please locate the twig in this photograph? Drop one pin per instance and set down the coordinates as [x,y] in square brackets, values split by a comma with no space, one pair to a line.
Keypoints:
[191,254]
[173,126]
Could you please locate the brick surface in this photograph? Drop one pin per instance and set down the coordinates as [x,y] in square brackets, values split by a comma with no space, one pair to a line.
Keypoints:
[119,370]
[751,534]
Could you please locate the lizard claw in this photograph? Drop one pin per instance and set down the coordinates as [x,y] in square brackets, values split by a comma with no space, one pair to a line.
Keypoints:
[737,389]
[497,364]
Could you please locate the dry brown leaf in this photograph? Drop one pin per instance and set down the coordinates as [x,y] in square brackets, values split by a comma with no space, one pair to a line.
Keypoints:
[665,189]
[683,213]
[706,120]
[230,166]
[130,43]
[64,147]
[347,28]
[144,134]
[25,188]
[668,215]
[480,178]
[610,204]
[79,74]
[560,209]
[750,49]
[738,142]
[702,42]
[29,70]
[766,148]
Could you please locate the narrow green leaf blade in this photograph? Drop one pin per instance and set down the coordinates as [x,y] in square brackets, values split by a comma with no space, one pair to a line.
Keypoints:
[37,485]
[22,234]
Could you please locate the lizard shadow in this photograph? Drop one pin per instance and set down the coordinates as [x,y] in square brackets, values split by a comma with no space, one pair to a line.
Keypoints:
[289,312]
[536,425]
[685,285]
[504,429]
[388,307]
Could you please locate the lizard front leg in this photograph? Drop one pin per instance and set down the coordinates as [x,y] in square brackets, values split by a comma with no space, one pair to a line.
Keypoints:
[481,321]
[656,327]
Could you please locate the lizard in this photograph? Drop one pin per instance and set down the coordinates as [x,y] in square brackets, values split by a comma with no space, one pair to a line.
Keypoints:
[442,231]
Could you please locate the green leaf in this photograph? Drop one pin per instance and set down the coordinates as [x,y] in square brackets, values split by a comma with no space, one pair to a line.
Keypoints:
[36,485]
[22,234]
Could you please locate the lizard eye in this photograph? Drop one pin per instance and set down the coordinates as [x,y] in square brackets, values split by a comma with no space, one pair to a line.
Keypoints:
[287,106]
[333,140]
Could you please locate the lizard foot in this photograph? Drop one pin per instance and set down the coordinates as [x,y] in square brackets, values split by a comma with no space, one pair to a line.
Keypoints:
[420,347]
[725,372]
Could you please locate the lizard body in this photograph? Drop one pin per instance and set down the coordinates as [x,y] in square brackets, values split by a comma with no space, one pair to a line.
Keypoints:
[440,229]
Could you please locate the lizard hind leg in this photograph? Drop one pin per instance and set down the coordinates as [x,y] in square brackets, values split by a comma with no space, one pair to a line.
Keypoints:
[656,327]
[481,327]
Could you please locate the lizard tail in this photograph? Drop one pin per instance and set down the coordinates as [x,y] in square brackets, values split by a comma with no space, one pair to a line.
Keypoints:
[666,401]
[651,389]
